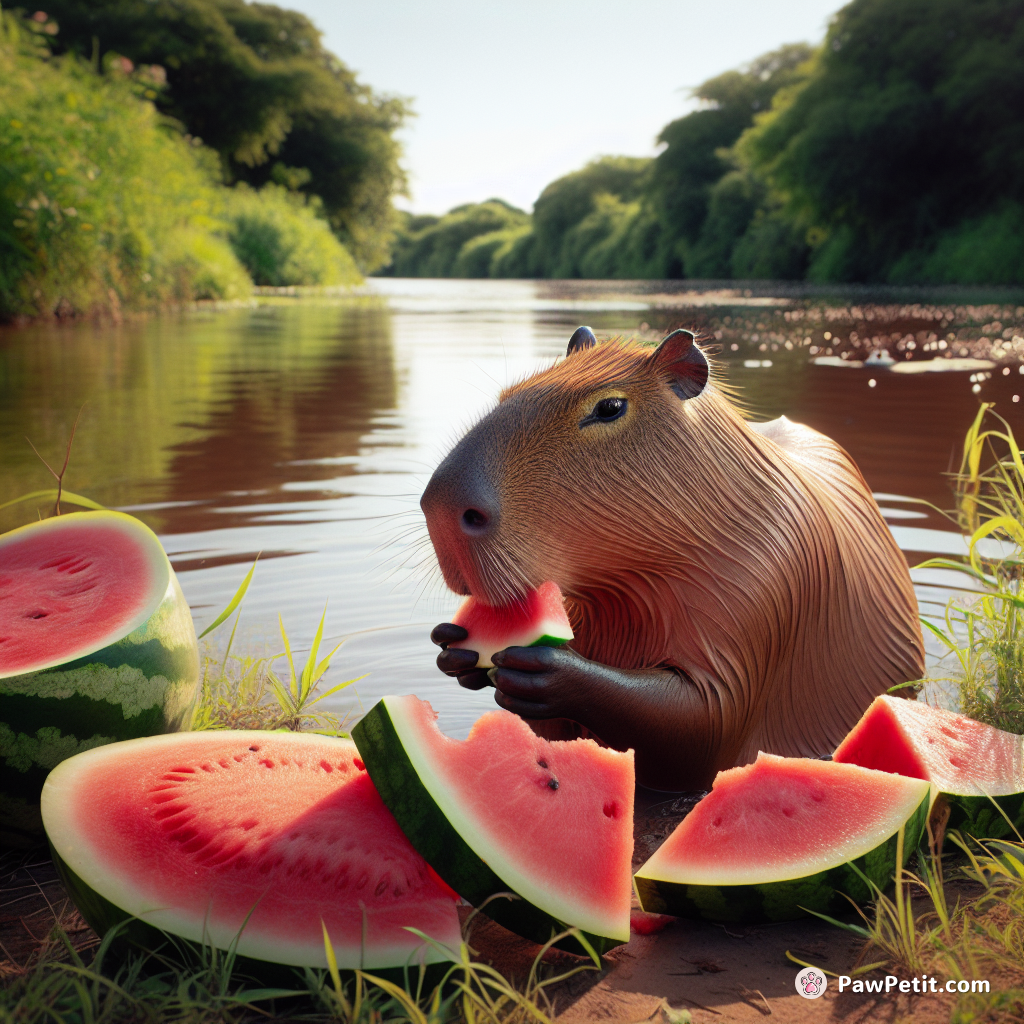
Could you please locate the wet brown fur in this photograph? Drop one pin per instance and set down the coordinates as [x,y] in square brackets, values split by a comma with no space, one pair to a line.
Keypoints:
[683,538]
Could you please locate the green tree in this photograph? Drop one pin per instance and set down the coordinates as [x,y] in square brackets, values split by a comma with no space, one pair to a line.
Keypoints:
[696,157]
[904,148]
[568,201]
[254,82]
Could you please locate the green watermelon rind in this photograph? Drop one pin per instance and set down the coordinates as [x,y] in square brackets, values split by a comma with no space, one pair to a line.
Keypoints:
[143,684]
[979,818]
[823,892]
[443,847]
[101,915]
[550,641]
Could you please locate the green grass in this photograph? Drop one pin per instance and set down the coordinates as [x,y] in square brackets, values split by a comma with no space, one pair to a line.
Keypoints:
[60,985]
[984,626]
[967,934]
[246,692]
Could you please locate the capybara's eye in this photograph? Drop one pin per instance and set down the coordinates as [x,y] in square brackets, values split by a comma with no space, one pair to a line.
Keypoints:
[609,409]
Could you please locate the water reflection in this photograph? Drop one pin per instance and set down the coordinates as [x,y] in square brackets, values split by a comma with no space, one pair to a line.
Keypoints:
[307,430]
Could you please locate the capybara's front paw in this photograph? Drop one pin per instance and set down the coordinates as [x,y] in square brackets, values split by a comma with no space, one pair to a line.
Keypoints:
[456,661]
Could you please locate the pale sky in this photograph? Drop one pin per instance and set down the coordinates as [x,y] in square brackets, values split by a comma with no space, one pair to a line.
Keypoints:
[510,95]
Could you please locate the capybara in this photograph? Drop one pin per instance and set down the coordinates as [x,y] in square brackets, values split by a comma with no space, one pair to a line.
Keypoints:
[732,586]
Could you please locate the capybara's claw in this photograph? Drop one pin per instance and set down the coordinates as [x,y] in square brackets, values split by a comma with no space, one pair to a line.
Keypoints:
[447,633]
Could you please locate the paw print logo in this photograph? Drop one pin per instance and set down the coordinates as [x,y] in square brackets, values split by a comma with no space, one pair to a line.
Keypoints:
[810,983]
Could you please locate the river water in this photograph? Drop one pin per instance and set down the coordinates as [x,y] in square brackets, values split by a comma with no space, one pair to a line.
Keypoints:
[305,429]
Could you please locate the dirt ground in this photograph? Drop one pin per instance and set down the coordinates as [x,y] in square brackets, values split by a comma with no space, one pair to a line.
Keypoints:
[718,973]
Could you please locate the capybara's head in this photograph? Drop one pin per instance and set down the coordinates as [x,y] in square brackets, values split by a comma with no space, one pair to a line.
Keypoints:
[563,480]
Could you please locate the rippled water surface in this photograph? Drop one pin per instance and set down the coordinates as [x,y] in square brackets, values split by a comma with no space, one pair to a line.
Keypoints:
[307,429]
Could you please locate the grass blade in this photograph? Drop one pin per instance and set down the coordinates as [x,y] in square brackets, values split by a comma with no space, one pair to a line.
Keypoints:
[68,496]
[232,604]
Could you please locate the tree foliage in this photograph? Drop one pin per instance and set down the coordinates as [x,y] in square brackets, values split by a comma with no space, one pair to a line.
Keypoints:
[907,128]
[893,152]
[696,157]
[462,243]
[255,83]
[104,204]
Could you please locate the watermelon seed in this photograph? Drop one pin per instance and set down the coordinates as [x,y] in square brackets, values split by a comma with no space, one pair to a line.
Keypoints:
[326,765]
[37,615]
[552,783]
[543,764]
[717,822]
[611,809]
[248,824]
[266,761]
[359,764]
[948,732]
[254,748]
[956,762]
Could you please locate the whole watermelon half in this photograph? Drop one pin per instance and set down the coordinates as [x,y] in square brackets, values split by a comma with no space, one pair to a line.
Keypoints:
[96,645]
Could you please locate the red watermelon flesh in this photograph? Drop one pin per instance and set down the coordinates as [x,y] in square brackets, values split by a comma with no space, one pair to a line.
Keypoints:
[784,817]
[73,584]
[191,832]
[539,620]
[554,820]
[956,753]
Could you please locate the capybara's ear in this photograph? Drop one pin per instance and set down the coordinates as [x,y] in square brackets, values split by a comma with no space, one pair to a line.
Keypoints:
[582,337]
[683,363]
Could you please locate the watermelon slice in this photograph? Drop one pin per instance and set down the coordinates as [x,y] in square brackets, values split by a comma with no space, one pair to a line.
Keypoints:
[965,760]
[96,645]
[780,835]
[537,621]
[192,833]
[506,811]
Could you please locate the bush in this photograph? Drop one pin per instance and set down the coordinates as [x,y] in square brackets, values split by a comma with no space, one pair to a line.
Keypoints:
[102,202]
[280,240]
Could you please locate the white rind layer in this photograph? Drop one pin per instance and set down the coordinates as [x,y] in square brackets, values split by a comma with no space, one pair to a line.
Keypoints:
[62,802]
[487,646]
[475,836]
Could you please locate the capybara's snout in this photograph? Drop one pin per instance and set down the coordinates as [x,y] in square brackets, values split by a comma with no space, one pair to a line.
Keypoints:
[463,511]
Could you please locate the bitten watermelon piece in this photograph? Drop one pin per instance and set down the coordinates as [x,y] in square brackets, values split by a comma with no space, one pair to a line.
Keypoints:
[96,645]
[506,811]
[537,621]
[192,833]
[965,760]
[779,836]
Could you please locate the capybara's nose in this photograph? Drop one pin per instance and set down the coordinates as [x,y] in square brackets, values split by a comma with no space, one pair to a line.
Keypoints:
[474,522]
[460,499]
